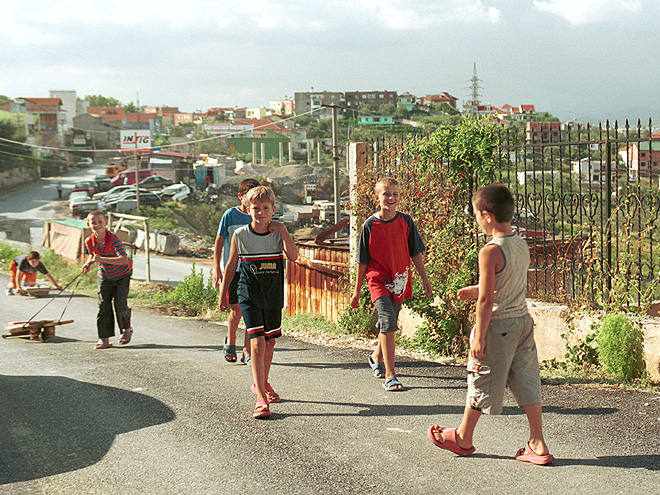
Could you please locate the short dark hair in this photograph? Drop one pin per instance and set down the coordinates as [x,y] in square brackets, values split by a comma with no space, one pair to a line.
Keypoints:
[97,213]
[33,255]
[495,199]
[246,185]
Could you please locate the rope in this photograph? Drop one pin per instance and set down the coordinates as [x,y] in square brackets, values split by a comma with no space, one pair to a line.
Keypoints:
[52,299]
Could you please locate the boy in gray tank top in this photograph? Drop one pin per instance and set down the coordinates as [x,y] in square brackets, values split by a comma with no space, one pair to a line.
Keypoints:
[502,347]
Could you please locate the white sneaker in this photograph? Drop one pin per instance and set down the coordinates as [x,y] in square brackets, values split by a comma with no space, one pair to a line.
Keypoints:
[10,292]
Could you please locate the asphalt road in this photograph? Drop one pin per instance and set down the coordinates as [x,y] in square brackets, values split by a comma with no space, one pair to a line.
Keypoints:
[167,415]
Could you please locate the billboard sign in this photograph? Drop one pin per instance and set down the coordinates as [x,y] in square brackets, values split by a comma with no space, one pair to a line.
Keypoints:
[128,139]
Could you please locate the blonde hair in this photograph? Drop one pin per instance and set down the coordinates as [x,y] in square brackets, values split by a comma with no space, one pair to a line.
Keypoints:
[385,182]
[260,193]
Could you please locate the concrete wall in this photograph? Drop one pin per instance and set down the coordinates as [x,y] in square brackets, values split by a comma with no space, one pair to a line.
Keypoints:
[18,176]
[550,325]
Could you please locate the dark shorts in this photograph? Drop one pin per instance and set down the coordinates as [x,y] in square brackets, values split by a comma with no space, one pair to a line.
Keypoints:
[262,322]
[232,291]
[388,314]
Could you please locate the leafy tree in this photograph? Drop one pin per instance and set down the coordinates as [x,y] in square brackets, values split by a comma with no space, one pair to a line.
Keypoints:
[446,108]
[320,129]
[401,112]
[131,108]
[4,99]
[102,101]
[387,109]
[546,117]
[303,120]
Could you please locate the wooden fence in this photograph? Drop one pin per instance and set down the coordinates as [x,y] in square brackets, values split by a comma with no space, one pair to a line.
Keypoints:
[316,281]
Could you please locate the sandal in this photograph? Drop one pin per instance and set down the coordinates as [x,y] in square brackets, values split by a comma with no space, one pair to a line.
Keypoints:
[246,358]
[379,368]
[261,410]
[392,384]
[229,352]
[271,395]
[126,336]
[102,344]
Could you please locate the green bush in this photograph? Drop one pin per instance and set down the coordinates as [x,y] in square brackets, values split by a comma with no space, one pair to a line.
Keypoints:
[193,296]
[620,347]
[360,321]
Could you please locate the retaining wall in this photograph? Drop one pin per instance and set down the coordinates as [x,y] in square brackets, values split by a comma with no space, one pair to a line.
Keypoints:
[550,325]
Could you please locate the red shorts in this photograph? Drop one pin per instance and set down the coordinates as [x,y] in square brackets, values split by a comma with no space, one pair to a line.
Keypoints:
[28,278]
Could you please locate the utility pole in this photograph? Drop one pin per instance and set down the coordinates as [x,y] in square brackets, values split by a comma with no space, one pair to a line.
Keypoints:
[137,178]
[335,163]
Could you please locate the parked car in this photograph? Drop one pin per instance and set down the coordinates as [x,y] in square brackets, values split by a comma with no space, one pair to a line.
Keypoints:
[85,186]
[82,208]
[85,162]
[102,183]
[115,191]
[77,197]
[128,176]
[147,198]
[175,192]
[155,182]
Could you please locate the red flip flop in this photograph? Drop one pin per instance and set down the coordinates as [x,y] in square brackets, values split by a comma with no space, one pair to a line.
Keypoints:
[261,410]
[450,443]
[528,455]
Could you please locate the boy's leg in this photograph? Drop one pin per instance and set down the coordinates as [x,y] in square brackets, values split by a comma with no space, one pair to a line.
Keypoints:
[105,319]
[234,317]
[233,320]
[465,432]
[268,358]
[536,440]
[388,315]
[259,351]
[123,312]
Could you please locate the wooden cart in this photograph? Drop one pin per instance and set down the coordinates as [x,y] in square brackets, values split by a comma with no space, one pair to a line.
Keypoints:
[36,330]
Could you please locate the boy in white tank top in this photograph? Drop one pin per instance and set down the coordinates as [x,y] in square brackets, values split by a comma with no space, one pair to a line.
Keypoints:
[502,347]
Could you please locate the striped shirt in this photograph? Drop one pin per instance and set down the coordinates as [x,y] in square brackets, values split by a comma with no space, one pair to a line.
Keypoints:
[111,247]
[261,268]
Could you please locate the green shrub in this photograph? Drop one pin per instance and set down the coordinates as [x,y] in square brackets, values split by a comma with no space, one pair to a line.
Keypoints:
[7,253]
[360,321]
[620,347]
[193,296]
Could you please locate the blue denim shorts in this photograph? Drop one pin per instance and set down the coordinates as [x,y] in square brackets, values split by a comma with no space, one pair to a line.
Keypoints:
[388,314]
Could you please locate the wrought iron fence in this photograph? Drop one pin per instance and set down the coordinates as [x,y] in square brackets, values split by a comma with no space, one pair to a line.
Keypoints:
[587,201]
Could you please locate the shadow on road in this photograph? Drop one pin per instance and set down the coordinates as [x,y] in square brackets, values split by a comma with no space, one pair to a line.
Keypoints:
[53,425]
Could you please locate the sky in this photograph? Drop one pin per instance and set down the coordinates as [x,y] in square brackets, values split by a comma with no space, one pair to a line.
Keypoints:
[589,60]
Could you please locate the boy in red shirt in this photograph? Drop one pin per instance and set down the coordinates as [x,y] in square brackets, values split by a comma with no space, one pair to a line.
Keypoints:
[388,242]
[115,273]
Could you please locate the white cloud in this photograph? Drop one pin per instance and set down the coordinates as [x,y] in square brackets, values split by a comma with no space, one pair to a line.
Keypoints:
[577,12]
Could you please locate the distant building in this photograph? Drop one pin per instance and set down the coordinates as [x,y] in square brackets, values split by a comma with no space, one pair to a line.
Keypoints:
[641,160]
[375,99]
[70,104]
[406,100]
[255,113]
[375,120]
[438,99]
[104,134]
[543,132]
[44,119]
[108,113]
[314,101]
[282,107]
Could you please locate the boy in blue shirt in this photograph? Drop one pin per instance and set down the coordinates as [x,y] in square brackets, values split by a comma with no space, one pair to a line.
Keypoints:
[260,246]
[232,219]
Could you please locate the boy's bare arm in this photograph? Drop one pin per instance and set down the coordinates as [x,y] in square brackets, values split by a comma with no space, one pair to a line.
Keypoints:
[230,270]
[469,293]
[489,258]
[217,256]
[290,248]
[418,261]
[359,279]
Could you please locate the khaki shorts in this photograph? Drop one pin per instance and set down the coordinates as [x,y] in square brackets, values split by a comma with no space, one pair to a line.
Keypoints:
[510,359]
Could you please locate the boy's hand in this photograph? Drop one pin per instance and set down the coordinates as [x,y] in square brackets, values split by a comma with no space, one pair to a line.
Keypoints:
[428,290]
[217,277]
[275,226]
[355,302]
[223,302]
[477,348]
[84,268]
[468,293]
